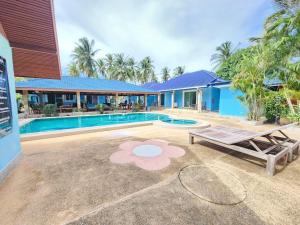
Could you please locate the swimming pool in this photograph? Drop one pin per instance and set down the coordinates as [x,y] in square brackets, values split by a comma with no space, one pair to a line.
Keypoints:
[55,124]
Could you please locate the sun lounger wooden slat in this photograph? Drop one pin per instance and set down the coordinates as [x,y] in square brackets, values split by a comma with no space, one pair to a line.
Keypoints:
[250,143]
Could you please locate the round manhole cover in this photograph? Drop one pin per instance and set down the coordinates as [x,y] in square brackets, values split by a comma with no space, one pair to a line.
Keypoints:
[212,184]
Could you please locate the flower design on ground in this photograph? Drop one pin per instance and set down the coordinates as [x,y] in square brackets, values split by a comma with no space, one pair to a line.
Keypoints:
[152,154]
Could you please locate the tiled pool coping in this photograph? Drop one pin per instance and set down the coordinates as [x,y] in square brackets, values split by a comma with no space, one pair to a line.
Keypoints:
[68,132]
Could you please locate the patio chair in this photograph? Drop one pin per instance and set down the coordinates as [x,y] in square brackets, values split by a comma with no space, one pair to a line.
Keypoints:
[263,145]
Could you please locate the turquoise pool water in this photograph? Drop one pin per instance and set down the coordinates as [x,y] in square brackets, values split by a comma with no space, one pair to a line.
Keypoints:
[179,121]
[54,124]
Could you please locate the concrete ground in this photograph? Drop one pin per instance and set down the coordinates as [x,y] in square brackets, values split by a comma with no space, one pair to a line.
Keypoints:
[70,180]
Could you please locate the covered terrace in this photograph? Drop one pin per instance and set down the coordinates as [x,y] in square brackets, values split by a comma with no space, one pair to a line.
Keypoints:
[81,93]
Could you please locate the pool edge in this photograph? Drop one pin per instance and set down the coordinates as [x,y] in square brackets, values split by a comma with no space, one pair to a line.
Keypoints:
[69,132]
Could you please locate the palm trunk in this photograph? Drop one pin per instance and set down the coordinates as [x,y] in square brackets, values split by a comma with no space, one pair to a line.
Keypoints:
[289,102]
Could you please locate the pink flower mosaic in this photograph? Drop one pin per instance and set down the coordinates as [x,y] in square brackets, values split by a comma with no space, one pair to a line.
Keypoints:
[152,154]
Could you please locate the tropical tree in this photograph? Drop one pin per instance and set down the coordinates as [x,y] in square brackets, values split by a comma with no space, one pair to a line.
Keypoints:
[165,74]
[84,56]
[101,67]
[231,67]
[119,69]
[109,64]
[73,70]
[223,52]
[282,32]
[132,69]
[251,79]
[179,70]
[146,70]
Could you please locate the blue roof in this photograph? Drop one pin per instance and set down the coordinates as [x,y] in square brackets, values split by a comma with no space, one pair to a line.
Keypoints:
[82,83]
[195,79]
[273,82]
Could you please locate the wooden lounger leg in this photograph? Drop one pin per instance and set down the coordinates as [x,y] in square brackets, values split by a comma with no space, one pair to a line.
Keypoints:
[191,139]
[271,162]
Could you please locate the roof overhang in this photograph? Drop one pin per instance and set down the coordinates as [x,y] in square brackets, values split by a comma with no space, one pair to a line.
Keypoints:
[83,90]
[30,29]
[216,85]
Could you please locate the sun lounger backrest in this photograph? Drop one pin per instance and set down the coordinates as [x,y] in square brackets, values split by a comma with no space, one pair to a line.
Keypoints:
[231,135]
[226,135]
[277,129]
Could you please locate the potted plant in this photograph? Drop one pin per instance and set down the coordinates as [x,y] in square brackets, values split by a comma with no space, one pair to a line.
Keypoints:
[50,110]
[100,108]
[77,112]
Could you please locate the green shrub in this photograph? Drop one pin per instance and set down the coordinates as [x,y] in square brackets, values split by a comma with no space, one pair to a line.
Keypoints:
[77,110]
[50,110]
[100,108]
[275,107]
[136,107]
[294,117]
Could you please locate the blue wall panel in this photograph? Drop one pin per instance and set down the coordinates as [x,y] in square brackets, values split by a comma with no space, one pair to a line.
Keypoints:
[168,99]
[178,98]
[230,105]
[151,100]
[9,144]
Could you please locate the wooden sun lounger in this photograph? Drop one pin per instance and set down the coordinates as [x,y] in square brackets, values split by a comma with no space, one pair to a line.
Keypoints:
[263,145]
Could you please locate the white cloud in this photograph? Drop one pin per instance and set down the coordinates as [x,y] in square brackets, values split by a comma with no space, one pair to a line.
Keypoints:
[172,33]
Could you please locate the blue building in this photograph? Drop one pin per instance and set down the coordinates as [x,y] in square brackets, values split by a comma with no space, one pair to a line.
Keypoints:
[200,90]
[83,91]
[28,48]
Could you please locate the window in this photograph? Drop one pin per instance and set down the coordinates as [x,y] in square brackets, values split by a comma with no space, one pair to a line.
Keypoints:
[69,97]
[190,99]
[5,104]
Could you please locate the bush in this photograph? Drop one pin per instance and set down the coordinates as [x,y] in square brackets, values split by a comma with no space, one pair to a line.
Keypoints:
[136,107]
[50,110]
[100,108]
[275,107]
[77,110]
[294,117]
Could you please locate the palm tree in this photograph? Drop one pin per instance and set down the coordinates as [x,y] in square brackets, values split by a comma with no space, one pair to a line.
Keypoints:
[119,70]
[73,70]
[109,63]
[282,32]
[223,52]
[165,74]
[179,70]
[101,67]
[146,70]
[132,69]
[84,56]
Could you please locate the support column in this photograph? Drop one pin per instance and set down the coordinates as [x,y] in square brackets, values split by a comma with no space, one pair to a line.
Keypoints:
[172,99]
[78,100]
[25,101]
[40,96]
[199,100]
[158,100]
[145,101]
[116,100]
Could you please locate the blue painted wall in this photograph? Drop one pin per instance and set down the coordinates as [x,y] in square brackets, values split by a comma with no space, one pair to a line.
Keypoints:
[9,144]
[230,105]
[211,98]
[168,99]
[151,100]
[178,98]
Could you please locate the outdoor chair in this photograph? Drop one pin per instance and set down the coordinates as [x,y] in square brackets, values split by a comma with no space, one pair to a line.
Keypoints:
[266,145]
[67,106]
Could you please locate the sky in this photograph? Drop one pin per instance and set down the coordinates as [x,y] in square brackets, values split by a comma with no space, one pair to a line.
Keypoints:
[172,32]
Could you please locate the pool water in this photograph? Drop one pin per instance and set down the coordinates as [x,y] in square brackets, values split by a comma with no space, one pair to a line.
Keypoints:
[54,124]
[179,121]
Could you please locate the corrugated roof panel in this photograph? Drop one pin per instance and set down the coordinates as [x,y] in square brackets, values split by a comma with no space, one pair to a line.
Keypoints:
[188,80]
[81,83]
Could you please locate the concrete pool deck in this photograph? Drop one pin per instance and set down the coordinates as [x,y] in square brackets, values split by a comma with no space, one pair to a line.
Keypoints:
[70,180]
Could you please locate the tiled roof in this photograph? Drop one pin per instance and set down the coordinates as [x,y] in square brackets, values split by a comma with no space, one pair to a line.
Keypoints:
[200,78]
[82,83]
